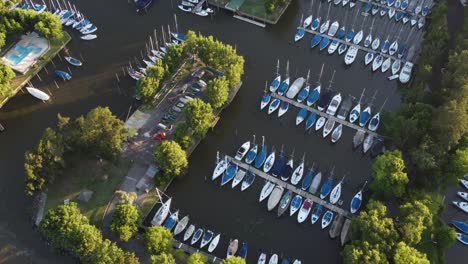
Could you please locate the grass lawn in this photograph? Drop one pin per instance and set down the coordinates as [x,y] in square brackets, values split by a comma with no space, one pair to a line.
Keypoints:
[88,174]
[18,81]
[257,8]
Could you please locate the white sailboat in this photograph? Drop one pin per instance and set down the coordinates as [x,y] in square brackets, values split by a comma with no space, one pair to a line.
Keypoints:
[328,127]
[38,93]
[386,64]
[162,213]
[336,192]
[336,134]
[351,54]
[320,122]
[334,104]
[377,62]
[266,190]
[369,57]
[356,111]
[298,172]
[396,65]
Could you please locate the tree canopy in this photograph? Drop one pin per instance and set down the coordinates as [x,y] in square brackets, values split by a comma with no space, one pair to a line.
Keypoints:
[6,74]
[197,258]
[233,260]
[363,252]
[163,258]
[415,217]
[148,87]
[405,254]
[125,221]
[199,116]
[171,157]
[389,176]
[158,240]
[108,252]
[217,92]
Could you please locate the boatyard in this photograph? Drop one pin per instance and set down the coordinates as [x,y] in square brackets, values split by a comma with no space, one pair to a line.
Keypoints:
[235,217]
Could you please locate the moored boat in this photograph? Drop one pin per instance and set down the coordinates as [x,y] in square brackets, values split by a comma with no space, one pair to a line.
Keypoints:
[464,183]
[283,108]
[315,183]
[242,151]
[274,105]
[38,93]
[320,122]
[310,120]
[328,127]
[284,203]
[295,204]
[316,213]
[358,138]
[462,205]
[214,243]
[232,248]
[287,170]
[248,180]
[243,251]
[161,213]
[207,237]
[266,190]
[307,181]
[189,232]
[269,162]
[73,61]
[181,225]
[405,73]
[368,141]
[295,87]
[229,174]
[336,192]
[304,211]
[171,221]
[327,219]
[334,104]
[326,187]
[273,259]
[261,157]
[265,101]
[301,115]
[463,226]
[89,37]
[196,236]
[250,157]
[63,74]
[262,258]
[336,134]
[238,178]
[298,173]
[219,169]
[351,54]
[462,238]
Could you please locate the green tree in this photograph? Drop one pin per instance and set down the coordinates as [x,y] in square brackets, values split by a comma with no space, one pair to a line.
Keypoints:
[199,116]
[6,74]
[389,176]
[109,252]
[444,236]
[362,252]
[415,217]
[181,136]
[405,254]
[233,260]
[217,92]
[148,87]
[125,221]
[163,258]
[158,240]
[458,164]
[48,26]
[171,157]
[197,258]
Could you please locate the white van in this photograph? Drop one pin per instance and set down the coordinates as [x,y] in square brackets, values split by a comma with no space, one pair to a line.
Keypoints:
[162,126]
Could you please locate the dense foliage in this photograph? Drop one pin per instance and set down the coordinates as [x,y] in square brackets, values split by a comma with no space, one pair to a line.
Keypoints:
[233,260]
[67,229]
[171,157]
[389,176]
[158,240]
[182,136]
[199,116]
[163,258]
[6,74]
[148,87]
[98,133]
[217,92]
[197,258]
[125,221]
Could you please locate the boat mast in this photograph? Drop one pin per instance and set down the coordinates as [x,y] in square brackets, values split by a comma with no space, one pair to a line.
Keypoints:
[362,95]
[321,71]
[364,185]
[354,21]
[169,31]
[307,80]
[253,141]
[373,98]
[328,12]
[383,105]
[217,157]
[163,35]
[277,68]
[287,69]
[266,89]
[372,26]
[263,141]
[318,10]
[151,42]
[331,80]
[300,23]
[175,22]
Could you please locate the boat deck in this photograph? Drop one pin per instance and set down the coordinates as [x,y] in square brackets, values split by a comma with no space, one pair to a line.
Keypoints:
[361,47]
[320,113]
[190,250]
[294,189]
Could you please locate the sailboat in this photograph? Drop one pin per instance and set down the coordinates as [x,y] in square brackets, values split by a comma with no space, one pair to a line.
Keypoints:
[229,174]
[288,169]
[295,204]
[265,100]
[357,200]
[232,248]
[324,26]
[462,226]
[375,43]
[326,187]
[206,239]
[38,93]
[276,82]
[316,22]
[162,213]
[274,105]
[462,238]
[273,259]
[261,157]
[283,108]
[351,54]
[463,195]
[304,93]
[334,104]
[352,3]
[316,213]
[298,172]
[345,2]
[342,48]
[315,94]
[336,192]
[358,138]
[387,63]
[275,197]
[350,35]
[301,115]
[307,181]
[320,122]
[221,166]
[171,221]
[214,243]
[181,225]
[189,232]
[375,121]
[358,37]
[285,84]
[279,163]
[242,151]
[326,97]
[310,120]
[396,65]
[368,141]
[315,183]
[300,32]
[238,178]
[248,180]
[266,190]
[461,205]
[327,219]
[368,39]
[270,160]
[383,11]
[250,157]
[336,134]
[369,57]
[307,21]
[377,62]
[315,40]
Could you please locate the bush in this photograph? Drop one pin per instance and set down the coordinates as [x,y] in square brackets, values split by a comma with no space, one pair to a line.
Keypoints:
[125,221]
[171,157]
[158,240]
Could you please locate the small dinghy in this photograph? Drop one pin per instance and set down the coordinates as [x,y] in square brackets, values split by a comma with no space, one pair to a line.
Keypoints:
[327,219]
[171,221]
[275,197]
[283,108]
[298,173]
[38,93]
[462,238]
[265,101]
[73,61]
[269,162]
[368,141]
[274,105]
[301,115]
[189,232]
[386,64]
[64,75]
[273,259]
[295,204]
[238,178]
[305,210]
[262,258]
[315,183]
[284,203]
[336,192]
[326,188]
[181,225]
[310,120]
[207,237]
[232,248]
[242,151]
[229,174]
[464,183]
[198,234]
[316,213]
[463,226]
[248,180]
[336,134]
[162,213]
[89,37]
[219,169]
[358,138]
[462,205]
[320,122]
[328,127]
[307,180]
[214,243]
[243,251]
[369,58]
[251,155]
[266,190]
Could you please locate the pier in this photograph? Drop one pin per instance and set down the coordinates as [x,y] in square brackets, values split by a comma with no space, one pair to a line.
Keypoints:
[294,189]
[320,113]
[385,55]
[190,250]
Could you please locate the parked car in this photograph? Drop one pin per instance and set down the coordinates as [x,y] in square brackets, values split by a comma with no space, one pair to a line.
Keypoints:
[180,105]
[201,83]
[177,109]
[199,74]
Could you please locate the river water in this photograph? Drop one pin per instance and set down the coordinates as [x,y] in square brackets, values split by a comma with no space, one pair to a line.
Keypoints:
[122,34]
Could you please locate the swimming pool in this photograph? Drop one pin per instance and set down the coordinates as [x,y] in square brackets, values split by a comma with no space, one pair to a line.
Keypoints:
[21,53]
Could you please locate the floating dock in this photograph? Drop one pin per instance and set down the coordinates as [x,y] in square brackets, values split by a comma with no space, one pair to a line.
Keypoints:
[346,232]
[294,189]
[190,250]
[337,224]
[320,113]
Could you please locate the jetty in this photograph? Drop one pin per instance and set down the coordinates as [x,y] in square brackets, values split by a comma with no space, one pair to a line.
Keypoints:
[294,189]
[190,250]
[320,113]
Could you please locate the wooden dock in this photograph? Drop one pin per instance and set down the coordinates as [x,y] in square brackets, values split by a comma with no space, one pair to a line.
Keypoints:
[385,55]
[320,113]
[346,232]
[190,250]
[294,189]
